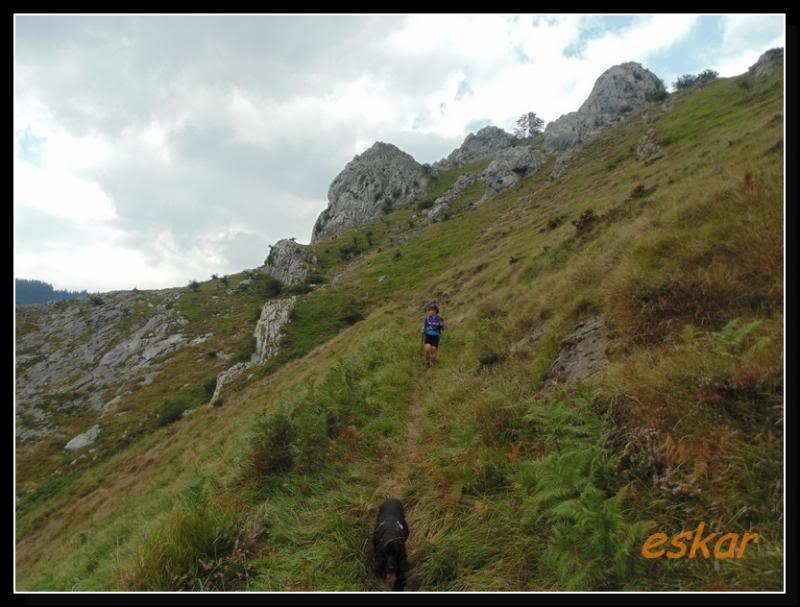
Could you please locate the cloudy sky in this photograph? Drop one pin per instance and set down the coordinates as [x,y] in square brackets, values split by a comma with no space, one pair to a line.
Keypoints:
[152,150]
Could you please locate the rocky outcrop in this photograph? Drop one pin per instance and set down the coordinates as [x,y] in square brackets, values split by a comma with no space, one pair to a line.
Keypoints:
[767,63]
[289,262]
[382,178]
[478,146]
[441,204]
[581,353]
[619,90]
[509,166]
[563,161]
[82,440]
[268,333]
[78,349]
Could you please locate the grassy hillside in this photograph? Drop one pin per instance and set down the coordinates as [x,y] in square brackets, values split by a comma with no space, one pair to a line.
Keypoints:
[507,486]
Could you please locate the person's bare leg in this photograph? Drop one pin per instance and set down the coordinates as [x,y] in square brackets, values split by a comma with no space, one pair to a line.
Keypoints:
[433,355]
[428,354]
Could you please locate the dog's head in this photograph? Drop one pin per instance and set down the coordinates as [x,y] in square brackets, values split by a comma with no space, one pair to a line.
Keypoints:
[392,544]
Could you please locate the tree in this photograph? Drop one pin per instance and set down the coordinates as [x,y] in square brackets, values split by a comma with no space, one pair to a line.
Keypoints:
[689,80]
[528,125]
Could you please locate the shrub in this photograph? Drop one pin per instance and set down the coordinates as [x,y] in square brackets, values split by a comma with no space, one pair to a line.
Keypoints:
[210,385]
[425,203]
[585,222]
[271,287]
[490,358]
[640,191]
[96,300]
[194,285]
[397,255]
[272,442]
[351,313]
[554,222]
[202,546]
[173,410]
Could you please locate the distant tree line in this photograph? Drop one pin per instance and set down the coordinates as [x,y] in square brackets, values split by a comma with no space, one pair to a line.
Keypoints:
[36,291]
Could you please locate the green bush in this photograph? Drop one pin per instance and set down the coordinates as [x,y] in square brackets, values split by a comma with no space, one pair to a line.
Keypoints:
[201,546]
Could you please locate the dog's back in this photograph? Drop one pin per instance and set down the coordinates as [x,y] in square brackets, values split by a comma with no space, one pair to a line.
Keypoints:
[388,538]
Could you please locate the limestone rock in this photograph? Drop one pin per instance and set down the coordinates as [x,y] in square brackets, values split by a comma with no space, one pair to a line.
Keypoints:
[767,63]
[289,262]
[478,146]
[268,333]
[581,353]
[383,177]
[618,91]
[87,438]
[441,204]
[509,166]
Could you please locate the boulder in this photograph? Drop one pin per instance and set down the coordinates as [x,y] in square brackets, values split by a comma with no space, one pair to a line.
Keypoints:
[289,262]
[87,438]
[581,353]
[382,178]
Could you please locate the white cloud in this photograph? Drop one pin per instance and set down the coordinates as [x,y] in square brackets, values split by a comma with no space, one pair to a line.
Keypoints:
[177,158]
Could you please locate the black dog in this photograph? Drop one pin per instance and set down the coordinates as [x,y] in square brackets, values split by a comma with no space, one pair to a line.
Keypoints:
[389,541]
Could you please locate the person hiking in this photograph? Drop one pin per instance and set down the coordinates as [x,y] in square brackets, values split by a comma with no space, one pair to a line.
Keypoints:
[432,328]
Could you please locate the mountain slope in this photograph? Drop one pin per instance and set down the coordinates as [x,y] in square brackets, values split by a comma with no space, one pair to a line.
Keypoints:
[519,473]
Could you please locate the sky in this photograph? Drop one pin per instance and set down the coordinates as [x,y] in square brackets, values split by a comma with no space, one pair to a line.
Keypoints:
[154,150]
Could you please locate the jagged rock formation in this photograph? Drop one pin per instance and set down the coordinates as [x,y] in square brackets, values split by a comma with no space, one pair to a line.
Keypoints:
[103,350]
[478,146]
[289,262]
[581,353]
[382,178]
[274,315]
[441,204]
[618,91]
[268,332]
[767,63]
[509,166]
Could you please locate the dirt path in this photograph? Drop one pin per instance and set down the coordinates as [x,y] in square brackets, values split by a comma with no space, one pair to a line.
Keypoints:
[410,450]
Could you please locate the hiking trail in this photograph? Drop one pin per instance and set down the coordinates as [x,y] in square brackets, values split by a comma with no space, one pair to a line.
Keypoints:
[409,452]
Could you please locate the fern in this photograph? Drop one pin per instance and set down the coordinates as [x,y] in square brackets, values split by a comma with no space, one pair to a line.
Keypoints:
[591,544]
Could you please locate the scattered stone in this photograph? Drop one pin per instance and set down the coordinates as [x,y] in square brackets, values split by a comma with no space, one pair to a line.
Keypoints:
[87,438]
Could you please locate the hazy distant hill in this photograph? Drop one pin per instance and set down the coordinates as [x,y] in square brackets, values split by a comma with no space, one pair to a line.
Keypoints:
[36,291]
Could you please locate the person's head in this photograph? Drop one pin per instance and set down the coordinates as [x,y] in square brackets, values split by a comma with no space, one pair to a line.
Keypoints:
[433,309]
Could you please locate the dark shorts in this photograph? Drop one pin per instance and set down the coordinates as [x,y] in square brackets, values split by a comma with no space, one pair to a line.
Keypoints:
[432,340]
